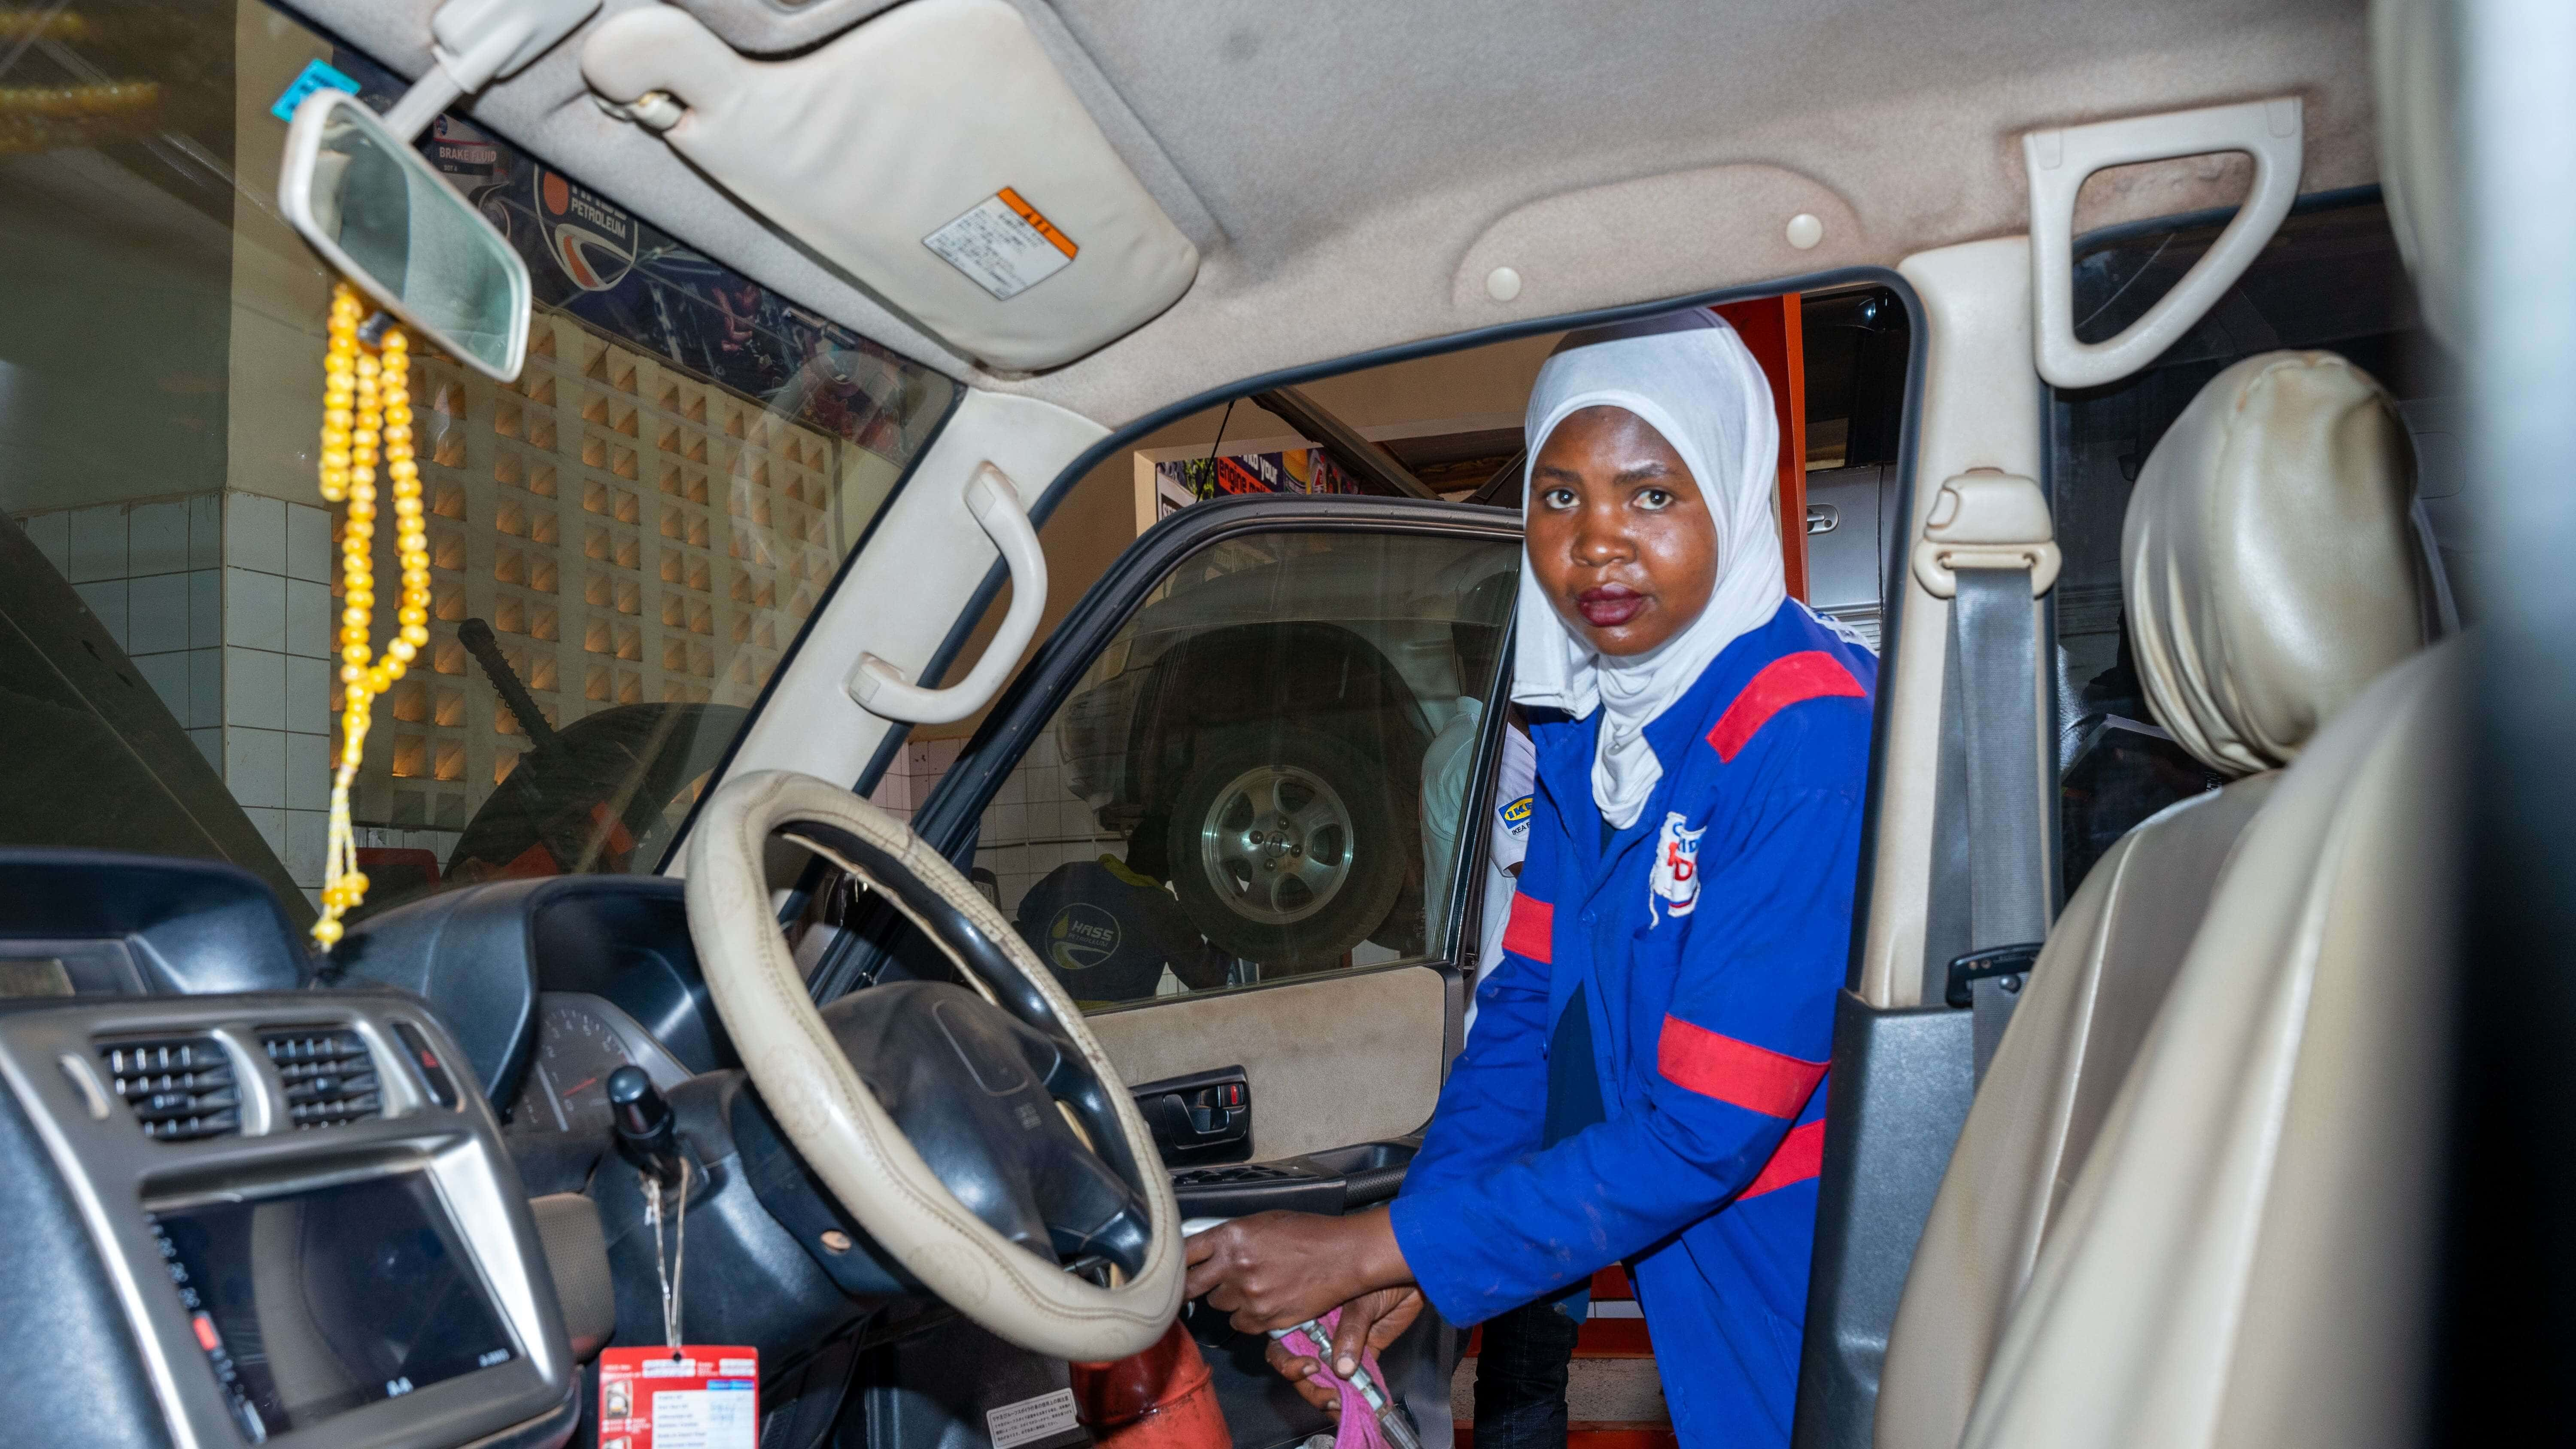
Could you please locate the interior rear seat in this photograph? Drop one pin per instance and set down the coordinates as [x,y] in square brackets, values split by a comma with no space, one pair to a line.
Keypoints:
[2270,573]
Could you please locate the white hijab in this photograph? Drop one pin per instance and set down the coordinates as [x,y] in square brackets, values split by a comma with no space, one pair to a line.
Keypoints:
[1691,378]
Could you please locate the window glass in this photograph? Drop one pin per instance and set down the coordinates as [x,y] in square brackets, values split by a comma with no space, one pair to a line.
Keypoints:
[2331,279]
[626,539]
[1264,773]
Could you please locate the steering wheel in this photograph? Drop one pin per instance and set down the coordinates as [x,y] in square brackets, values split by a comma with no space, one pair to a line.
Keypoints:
[1045,1154]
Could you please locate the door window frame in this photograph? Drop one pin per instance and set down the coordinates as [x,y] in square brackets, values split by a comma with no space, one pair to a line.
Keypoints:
[952,818]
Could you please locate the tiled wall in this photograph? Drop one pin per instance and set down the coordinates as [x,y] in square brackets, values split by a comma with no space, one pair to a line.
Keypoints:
[916,771]
[1034,825]
[1031,826]
[631,534]
[223,601]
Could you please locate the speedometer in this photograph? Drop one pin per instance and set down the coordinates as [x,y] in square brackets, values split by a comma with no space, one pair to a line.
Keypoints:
[580,1040]
[576,1050]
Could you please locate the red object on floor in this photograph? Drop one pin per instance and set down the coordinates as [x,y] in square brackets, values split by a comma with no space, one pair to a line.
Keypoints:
[1601,1337]
[1598,1436]
[1613,1338]
[1163,1398]
[1620,1436]
[390,868]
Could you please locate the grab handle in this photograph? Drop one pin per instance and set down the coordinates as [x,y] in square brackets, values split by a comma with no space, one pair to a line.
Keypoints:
[883,690]
[2058,162]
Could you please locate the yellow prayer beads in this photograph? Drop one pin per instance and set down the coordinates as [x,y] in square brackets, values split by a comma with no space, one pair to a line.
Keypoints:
[366,404]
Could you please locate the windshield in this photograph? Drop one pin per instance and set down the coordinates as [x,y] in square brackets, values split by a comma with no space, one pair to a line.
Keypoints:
[625,541]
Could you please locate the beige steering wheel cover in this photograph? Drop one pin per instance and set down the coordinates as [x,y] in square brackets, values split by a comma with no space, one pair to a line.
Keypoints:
[835,1122]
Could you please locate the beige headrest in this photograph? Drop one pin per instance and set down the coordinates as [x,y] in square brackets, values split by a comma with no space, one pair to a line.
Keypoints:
[2269,560]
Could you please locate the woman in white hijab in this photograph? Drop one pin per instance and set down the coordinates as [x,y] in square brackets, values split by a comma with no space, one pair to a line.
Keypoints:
[1645,1085]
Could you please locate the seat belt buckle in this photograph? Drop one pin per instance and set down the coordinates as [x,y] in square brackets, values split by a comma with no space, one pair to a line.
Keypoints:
[1986,519]
[2009,962]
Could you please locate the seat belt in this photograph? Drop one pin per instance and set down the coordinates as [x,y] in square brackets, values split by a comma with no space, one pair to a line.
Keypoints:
[1989,547]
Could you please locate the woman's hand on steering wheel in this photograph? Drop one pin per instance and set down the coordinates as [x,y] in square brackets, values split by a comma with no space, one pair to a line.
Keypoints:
[1279,1269]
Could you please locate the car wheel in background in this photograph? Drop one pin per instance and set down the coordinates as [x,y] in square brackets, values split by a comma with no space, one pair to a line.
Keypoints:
[1284,849]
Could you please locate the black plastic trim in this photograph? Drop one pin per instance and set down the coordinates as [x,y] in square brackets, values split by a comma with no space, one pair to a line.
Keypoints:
[1911,1069]
[187,926]
[1891,618]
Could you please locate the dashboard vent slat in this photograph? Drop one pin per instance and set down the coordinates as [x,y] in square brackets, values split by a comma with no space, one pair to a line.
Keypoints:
[330,1078]
[180,1089]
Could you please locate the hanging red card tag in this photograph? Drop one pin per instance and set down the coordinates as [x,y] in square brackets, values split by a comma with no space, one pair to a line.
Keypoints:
[705,1398]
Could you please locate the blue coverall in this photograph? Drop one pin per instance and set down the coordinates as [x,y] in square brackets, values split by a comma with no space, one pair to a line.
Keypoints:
[1706,942]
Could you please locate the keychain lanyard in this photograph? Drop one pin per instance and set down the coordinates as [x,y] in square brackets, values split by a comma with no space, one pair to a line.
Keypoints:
[670,1275]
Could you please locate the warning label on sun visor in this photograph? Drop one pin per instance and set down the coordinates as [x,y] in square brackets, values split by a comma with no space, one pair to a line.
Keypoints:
[1006,245]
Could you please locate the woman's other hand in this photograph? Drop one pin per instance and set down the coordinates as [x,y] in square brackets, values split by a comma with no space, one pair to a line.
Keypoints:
[1369,1323]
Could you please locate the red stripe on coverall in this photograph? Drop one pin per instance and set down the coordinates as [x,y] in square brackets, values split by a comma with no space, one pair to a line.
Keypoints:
[1532,927]
[1787,680]
[1735,1072]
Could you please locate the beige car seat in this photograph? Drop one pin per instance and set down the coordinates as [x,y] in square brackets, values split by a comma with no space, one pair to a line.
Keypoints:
[2246,1257]
[2270,572]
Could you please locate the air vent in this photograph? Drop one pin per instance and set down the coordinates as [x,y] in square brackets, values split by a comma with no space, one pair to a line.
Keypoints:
[181,1088]
[329,1078]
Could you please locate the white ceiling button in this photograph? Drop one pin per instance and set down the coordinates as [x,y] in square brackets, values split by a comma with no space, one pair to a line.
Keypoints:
[1502,284]
[1805,230]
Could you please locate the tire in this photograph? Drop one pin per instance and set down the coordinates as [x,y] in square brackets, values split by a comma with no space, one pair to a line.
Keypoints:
[1285,850]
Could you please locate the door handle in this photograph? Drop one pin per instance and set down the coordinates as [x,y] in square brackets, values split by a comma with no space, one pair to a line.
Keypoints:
[883,690]
[1204,1117]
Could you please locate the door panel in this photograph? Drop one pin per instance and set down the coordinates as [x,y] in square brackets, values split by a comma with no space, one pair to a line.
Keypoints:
[1332,1061]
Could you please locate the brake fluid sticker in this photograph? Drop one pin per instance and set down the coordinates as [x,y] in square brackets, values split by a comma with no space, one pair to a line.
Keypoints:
[700,1398]
[1003,245]
[1030,1420]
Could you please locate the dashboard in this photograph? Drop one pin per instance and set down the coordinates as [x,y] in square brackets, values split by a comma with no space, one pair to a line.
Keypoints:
[381,1210]
[303,1226]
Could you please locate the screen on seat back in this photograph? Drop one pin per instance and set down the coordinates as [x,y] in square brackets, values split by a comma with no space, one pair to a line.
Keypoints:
[314,1303]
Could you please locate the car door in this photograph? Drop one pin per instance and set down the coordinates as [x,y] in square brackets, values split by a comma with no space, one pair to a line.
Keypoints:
[1203,804]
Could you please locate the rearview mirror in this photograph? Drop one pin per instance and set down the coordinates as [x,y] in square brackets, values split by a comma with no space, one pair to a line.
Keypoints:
[380,213]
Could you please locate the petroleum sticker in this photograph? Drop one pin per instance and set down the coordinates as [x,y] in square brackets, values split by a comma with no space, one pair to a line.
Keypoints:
[1004,245]
[592,239]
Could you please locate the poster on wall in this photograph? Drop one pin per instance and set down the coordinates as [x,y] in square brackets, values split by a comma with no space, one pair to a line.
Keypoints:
[1179,482]
[600,262]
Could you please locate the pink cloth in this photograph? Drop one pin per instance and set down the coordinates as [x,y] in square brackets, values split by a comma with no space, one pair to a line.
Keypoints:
[1359,1427]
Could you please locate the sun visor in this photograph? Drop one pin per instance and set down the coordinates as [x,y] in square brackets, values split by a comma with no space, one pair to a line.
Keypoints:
[933,153]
